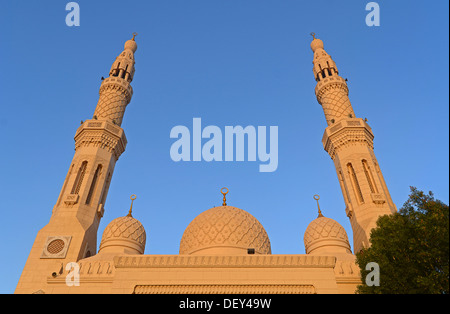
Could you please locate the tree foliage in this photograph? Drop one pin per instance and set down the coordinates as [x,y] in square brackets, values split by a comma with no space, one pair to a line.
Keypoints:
[411,248]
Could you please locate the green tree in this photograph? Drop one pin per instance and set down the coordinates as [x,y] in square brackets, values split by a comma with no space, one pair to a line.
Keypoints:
[411,248]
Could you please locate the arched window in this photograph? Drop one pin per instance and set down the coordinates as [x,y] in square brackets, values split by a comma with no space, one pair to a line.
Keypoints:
[368,172]
[105,190]
[97,173]
[79,179]
[354,179]
[344,187]
[65,184]
[116,70]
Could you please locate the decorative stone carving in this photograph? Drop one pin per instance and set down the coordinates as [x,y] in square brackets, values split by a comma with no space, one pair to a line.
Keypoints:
[56,247]
[224,289]
[71,199]
[115,95]
[101,134]
[225,226]
[338,137]
[224,261]
[378,198]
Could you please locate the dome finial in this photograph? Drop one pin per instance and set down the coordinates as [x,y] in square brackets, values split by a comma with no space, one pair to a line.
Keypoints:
[134,35]
[316,43]
[224,196]
[132,197]
[317,198]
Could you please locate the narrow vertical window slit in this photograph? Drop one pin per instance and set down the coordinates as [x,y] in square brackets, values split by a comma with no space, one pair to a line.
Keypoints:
[79,179]
[94,184]
[356,187]
[370,180]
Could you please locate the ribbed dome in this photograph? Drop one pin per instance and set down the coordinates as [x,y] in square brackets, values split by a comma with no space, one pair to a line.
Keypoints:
[124,233]
[224,230]
[326,234]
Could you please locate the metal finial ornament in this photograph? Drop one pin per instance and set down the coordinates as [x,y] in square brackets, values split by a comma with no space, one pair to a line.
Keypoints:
[313,35]
[317,198]
[132,197]
[224,196]
[134,35]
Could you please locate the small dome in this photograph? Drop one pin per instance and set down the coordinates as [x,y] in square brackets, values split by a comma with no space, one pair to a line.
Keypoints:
[131,45]
[326,235]
[316,44]
[224,230]
[124,234]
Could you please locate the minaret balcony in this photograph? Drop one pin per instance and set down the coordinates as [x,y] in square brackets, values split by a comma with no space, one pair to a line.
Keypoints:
[345,132]
[330,82]
[103,134]
[117,82]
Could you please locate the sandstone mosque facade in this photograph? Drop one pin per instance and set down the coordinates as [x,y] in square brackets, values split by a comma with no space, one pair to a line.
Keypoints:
[224,250]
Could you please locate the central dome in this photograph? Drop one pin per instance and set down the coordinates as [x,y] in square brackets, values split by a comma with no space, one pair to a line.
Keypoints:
[224,230]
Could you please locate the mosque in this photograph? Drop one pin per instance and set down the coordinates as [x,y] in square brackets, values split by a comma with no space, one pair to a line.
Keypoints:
[224,250]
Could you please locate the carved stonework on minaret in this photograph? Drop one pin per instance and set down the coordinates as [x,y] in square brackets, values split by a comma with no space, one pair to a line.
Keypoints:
[345,134]
[101,134]
[331,89]
[81,204]
[349,142]
[115,95]
[116,91]
[332,94]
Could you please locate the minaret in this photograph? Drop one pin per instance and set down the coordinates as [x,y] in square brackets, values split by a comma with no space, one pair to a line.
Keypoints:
[71,233]
[349,142]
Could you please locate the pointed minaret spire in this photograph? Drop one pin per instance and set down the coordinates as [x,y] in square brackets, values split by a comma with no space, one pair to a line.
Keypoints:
[123,67]
[349,142]
[331,90]
[116,91]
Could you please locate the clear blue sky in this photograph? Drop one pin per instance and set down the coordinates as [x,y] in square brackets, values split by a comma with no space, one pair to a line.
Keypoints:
[230,63]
